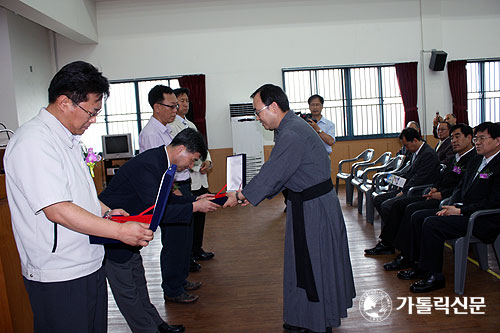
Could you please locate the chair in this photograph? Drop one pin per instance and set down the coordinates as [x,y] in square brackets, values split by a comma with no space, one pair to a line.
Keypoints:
[365,156]
[461,249]
[359,175]
[376,185]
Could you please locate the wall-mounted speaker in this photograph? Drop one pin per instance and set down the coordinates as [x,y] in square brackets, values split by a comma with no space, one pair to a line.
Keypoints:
[438,60]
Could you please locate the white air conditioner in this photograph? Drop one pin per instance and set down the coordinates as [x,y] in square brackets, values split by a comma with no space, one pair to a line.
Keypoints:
[247,137]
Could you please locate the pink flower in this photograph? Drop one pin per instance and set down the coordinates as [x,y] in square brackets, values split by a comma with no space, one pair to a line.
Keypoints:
[457,169]
[484,175]
[91,156]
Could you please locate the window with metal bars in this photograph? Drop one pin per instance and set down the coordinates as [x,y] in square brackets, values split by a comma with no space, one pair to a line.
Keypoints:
[127,110]
[483,91]
[362,101]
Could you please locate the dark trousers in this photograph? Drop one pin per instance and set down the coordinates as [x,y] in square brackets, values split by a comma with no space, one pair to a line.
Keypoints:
[383,203]
[128,284]
[394,210]
[198,225]
[435,230]
[79,305]
[175,255]
[407,232]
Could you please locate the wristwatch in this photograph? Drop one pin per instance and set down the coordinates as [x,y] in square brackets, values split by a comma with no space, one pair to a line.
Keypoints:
[238,198]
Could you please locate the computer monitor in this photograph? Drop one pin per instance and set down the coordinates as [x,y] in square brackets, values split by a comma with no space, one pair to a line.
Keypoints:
[117,146]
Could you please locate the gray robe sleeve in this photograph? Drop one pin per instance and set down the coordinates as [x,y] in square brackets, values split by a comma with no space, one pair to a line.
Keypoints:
[277,171]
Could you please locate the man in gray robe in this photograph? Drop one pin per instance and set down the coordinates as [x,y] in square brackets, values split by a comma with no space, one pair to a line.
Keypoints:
[318,285]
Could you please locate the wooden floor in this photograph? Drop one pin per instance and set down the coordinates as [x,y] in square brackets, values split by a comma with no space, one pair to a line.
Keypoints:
[242,285]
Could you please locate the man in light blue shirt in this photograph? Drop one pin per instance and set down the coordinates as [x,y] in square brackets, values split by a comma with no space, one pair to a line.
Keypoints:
[324,127]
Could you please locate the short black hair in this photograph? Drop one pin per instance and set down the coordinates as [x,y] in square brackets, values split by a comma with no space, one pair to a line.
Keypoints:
[321,99]
[76,80]
[180,91]
[192,140]
[464,128]
[156,94]
[410,134]
[493,129]
[270,93]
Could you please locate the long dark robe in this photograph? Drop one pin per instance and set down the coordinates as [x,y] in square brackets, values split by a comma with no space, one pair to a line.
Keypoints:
[298,161]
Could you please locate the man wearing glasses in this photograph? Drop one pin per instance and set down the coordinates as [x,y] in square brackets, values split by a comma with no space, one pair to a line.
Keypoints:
[54,207]
[318,283]
[324,127]
[157,132]
[443,147]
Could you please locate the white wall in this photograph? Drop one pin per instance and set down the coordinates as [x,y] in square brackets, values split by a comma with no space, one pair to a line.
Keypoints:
[7,94]
[75,19]
[31,65]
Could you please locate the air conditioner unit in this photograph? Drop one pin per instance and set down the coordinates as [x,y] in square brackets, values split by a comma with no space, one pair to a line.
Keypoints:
[247,137]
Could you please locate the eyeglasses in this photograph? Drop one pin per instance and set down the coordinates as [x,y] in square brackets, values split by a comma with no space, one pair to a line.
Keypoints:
[91,114]
[257,112]
[480,138]
[315,104]
[173,106]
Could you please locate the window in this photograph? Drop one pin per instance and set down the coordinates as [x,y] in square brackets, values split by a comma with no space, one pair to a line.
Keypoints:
[361,101]
[127,110]
[483,91]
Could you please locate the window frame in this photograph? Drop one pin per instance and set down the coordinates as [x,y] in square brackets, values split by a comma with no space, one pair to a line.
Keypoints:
[347,102]
[482,92]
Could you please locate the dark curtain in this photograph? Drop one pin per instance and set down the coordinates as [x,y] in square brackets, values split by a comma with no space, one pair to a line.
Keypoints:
[407,80]
[457,77]
[197,99]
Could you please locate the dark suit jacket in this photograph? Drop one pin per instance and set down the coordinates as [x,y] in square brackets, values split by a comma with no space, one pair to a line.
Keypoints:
[481,192]
[134,188]
[424,169]
[445,151]
[453,174]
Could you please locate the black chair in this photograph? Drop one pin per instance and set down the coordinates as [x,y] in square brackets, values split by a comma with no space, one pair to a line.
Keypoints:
[359,176]
[377,185]
[365,156]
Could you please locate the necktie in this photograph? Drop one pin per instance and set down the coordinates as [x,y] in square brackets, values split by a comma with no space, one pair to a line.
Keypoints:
[439,145]
[481,166]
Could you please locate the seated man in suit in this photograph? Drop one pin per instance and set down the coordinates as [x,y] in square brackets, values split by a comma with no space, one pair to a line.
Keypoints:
[479,189]
[424,169]
[135,187]
[461,138]
[443,147]
[403,150]
[450,118]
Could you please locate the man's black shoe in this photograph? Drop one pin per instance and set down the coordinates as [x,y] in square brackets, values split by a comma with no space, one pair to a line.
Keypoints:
[202,255]
[291,328]
[411,274]
[400,262]
[194,266]
[380,248]
[430,283]
[166,328]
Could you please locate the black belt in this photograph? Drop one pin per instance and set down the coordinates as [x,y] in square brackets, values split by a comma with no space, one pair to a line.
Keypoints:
[303,267]
[187,181]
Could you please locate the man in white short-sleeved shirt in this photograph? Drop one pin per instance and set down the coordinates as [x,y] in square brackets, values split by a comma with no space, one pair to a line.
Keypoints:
[54,207]
[324,127]
[157,131]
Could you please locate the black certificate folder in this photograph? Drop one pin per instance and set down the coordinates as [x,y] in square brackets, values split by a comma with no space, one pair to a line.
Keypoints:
[236,172]
[159,208]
